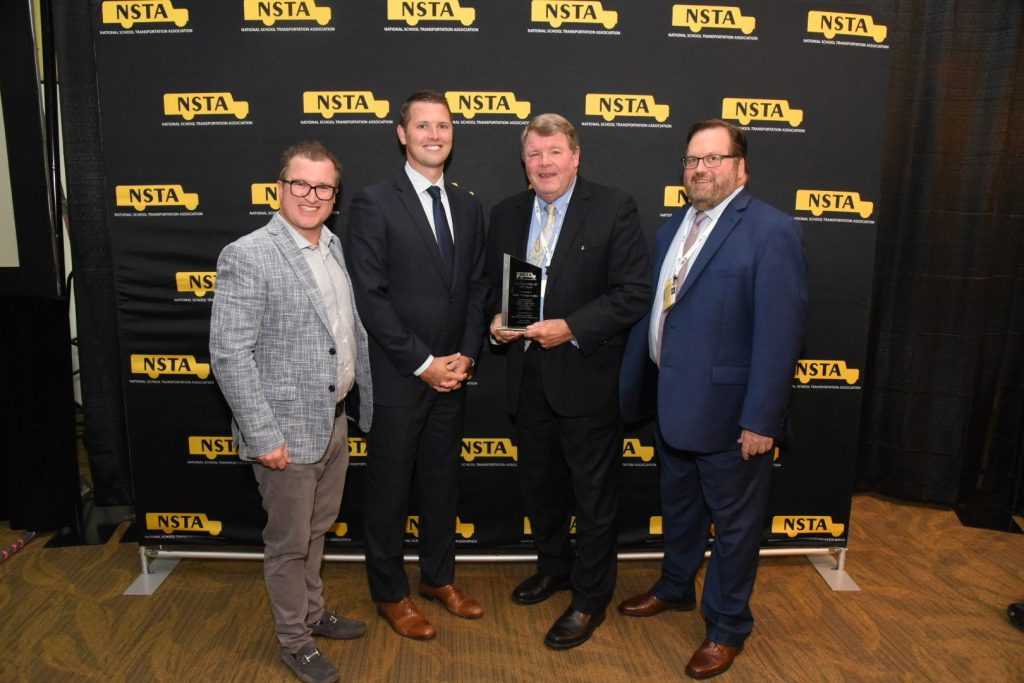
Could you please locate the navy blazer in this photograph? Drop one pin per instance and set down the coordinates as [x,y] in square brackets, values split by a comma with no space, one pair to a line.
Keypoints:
[597,282]
[732,339]
[409,307]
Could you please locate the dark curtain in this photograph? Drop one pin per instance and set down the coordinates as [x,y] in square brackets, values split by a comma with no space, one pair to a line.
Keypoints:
[943,410]
[105,432]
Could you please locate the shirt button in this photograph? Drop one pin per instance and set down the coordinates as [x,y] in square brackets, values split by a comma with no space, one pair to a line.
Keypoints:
[331,351]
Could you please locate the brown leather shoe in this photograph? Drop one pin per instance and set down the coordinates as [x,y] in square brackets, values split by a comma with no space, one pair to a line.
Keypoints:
[452,597]
[406,619]
[711,659]
[648,604]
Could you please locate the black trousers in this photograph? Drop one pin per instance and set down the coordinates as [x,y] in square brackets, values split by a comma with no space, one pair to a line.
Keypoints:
[424,440]
[570,465]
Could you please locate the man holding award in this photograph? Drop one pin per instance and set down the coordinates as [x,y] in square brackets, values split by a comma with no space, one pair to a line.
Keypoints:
[582,246]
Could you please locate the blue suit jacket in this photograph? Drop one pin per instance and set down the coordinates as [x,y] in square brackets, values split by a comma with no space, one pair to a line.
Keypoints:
[731,340]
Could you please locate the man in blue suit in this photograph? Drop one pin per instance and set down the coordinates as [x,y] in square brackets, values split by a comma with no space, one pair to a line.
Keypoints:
[724,332]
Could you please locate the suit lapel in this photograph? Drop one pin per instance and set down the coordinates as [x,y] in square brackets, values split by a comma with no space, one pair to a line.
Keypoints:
[575,213]
[293,256]
[411,201]
[725,225]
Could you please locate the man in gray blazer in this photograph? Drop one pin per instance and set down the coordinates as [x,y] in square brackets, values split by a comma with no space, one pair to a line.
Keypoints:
[288,348]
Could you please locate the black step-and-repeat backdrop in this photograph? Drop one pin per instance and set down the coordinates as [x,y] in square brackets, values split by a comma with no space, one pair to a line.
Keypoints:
[198,99]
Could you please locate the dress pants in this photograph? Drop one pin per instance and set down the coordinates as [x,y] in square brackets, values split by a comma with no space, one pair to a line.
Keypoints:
[566,465]
[302,502]
[698,489]
[424,440]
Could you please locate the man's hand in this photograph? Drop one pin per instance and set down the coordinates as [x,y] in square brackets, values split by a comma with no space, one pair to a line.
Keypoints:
[503,336]
[549,333]
[440,377]
[752,443]
[276,459]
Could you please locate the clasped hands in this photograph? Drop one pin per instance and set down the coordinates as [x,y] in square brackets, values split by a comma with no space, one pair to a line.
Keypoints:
[447,373]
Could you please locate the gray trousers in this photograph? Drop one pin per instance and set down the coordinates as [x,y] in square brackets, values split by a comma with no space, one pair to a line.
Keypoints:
[302,502]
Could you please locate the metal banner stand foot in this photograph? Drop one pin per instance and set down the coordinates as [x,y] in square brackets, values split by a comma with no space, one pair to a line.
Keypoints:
[154,571]
[832,568]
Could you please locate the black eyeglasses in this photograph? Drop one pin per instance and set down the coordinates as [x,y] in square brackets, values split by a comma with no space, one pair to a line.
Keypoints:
[300,188]
[710,160]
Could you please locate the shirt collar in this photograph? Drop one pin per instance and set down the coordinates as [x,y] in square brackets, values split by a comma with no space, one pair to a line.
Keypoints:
[326,236]
[419,182]
[559,203]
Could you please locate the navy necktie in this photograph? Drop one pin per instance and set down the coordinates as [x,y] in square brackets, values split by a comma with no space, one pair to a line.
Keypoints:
[445,245]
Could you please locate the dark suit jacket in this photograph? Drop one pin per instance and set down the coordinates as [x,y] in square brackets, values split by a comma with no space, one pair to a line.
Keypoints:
[409,309]
[597,282]
[731,341]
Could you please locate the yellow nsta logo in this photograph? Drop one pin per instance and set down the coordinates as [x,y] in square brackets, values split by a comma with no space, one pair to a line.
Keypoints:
[654,528]
[807,370]
[212,446]
[199,283]
[609,106]
[488,448]
[746,110]
[188,105]
[338,528]
[632,448]
[413,12]
[356,447]
[838,201]
[832,23]
[464,529]
[469,104]
[155,365]
[270,11]
[794,525]
[578,12]
[697,17]
[265,194]
[675,195]
[131,12]
[328,103]
[170,522]
[141,196]
[528,528]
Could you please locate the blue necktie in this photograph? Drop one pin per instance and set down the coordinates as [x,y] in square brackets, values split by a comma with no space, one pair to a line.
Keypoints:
[445,245]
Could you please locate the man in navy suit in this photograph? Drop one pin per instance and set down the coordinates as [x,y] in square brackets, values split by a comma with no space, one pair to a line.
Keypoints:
[563,370]
[415,250]
[724,332]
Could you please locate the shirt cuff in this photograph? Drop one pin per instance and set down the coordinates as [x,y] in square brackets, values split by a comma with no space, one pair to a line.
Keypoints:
[423,368]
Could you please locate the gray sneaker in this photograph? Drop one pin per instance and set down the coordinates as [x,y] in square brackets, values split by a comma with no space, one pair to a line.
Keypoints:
[309,665]
[333,625]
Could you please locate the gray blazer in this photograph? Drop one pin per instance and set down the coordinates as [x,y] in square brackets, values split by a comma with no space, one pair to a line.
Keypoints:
[272,350]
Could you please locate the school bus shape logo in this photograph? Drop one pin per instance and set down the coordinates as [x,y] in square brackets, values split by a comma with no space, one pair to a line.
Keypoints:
[746,110]
[198,283]
[528,528]
[609,106]
[356,447]
[338,529]
[675,196]
[698,17]
[463,529]
[832,24]
[210,447]
[265,194]
[131,12]
[141,197]
[272,11]
[413,12]
[793,526]
[191,522]
[632,448]
[155,365]
[469,103]
[488,448]
[654,528]
[188,105]
[835,370]
[556,13]
[327,103]
[833,201]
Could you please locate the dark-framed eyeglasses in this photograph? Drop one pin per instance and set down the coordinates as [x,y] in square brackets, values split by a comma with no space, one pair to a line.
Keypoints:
[710,160]
[300,188]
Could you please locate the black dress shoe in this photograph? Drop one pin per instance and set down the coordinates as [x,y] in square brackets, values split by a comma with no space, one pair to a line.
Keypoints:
[573,628]
[539,588]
